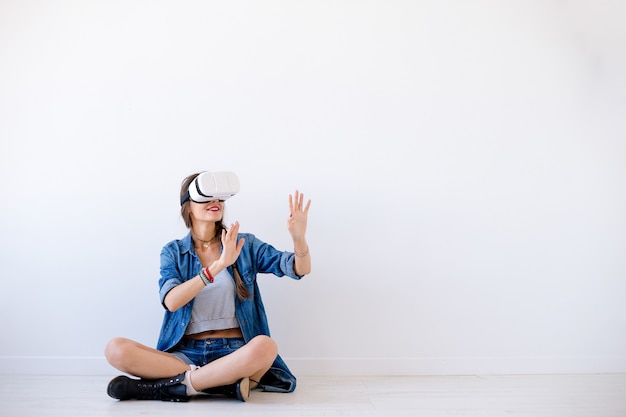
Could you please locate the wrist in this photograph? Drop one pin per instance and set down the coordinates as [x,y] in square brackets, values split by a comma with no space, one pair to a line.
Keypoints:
[300,243]
[218,266]
[301,251]
[206,276]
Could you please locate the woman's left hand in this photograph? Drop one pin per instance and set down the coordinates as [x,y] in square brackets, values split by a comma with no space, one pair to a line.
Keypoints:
[298,213]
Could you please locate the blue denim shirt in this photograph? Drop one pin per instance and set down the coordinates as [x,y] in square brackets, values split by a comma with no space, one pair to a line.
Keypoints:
[179,263]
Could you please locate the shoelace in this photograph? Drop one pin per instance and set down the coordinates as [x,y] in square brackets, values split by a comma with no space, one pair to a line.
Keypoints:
[154,390]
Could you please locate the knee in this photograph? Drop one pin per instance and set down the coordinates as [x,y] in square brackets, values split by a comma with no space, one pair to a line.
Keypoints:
[265,347]
[117,350]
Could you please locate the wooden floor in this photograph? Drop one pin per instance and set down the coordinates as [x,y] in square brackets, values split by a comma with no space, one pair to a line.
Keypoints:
[430,396]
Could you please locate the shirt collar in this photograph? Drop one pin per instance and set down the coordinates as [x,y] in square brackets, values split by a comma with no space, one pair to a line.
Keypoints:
[187,243]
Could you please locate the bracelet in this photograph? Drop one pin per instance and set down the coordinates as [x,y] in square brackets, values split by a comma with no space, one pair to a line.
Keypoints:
[204,279]
[207,272]
[303,254]
[206,276]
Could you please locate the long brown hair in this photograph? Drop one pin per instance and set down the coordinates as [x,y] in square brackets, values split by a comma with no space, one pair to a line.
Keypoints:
[185,212]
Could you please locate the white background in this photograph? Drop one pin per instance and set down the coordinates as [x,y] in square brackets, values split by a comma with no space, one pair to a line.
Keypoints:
[465,161]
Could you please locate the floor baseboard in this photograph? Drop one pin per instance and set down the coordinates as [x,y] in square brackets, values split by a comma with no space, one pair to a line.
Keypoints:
[95,365]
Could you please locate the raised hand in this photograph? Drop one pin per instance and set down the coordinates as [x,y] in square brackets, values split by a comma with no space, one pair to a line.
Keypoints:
[298,214]
[231,248]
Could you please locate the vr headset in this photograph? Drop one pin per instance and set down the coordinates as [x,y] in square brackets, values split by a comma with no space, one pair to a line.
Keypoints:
[209,186]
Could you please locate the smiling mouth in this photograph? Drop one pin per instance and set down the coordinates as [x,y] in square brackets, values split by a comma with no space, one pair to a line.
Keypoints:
[213,209]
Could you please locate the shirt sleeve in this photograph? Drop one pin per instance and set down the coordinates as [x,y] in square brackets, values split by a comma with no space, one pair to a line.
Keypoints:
[270,260]
[170,274]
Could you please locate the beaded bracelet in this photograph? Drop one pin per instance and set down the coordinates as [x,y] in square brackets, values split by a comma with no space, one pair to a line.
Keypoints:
[303,254]
[204,279]
[206,276]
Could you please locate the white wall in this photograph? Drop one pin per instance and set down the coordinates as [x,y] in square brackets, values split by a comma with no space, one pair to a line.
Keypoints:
[465,162]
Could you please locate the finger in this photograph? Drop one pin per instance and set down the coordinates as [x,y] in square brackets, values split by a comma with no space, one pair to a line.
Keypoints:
[234,229]
[302,200]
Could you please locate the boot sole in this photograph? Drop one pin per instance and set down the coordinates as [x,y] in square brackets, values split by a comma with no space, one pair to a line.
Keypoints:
[243,389]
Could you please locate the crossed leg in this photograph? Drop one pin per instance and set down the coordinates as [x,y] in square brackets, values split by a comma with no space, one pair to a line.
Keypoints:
[252,360]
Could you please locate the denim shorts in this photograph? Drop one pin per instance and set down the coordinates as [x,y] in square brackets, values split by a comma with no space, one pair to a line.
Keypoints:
[201,352]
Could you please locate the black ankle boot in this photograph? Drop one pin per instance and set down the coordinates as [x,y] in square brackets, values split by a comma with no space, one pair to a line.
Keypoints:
[239,390]
[165,389]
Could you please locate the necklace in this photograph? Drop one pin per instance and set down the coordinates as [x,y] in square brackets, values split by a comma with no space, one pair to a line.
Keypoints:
[205,243]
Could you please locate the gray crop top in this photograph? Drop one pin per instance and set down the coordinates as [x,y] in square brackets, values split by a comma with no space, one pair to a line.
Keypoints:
[214,306]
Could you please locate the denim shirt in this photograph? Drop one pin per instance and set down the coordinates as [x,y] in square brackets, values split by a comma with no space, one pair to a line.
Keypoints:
[179,263]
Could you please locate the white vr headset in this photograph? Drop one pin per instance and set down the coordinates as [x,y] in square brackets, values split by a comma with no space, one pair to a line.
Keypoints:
[209,186]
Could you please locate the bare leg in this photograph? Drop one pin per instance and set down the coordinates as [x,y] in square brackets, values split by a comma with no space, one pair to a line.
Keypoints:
[252,360]
[142,361]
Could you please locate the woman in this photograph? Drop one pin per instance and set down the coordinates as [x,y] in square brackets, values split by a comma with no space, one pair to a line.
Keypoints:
[215,337]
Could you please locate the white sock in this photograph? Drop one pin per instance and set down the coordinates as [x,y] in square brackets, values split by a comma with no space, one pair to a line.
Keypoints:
[187,382]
